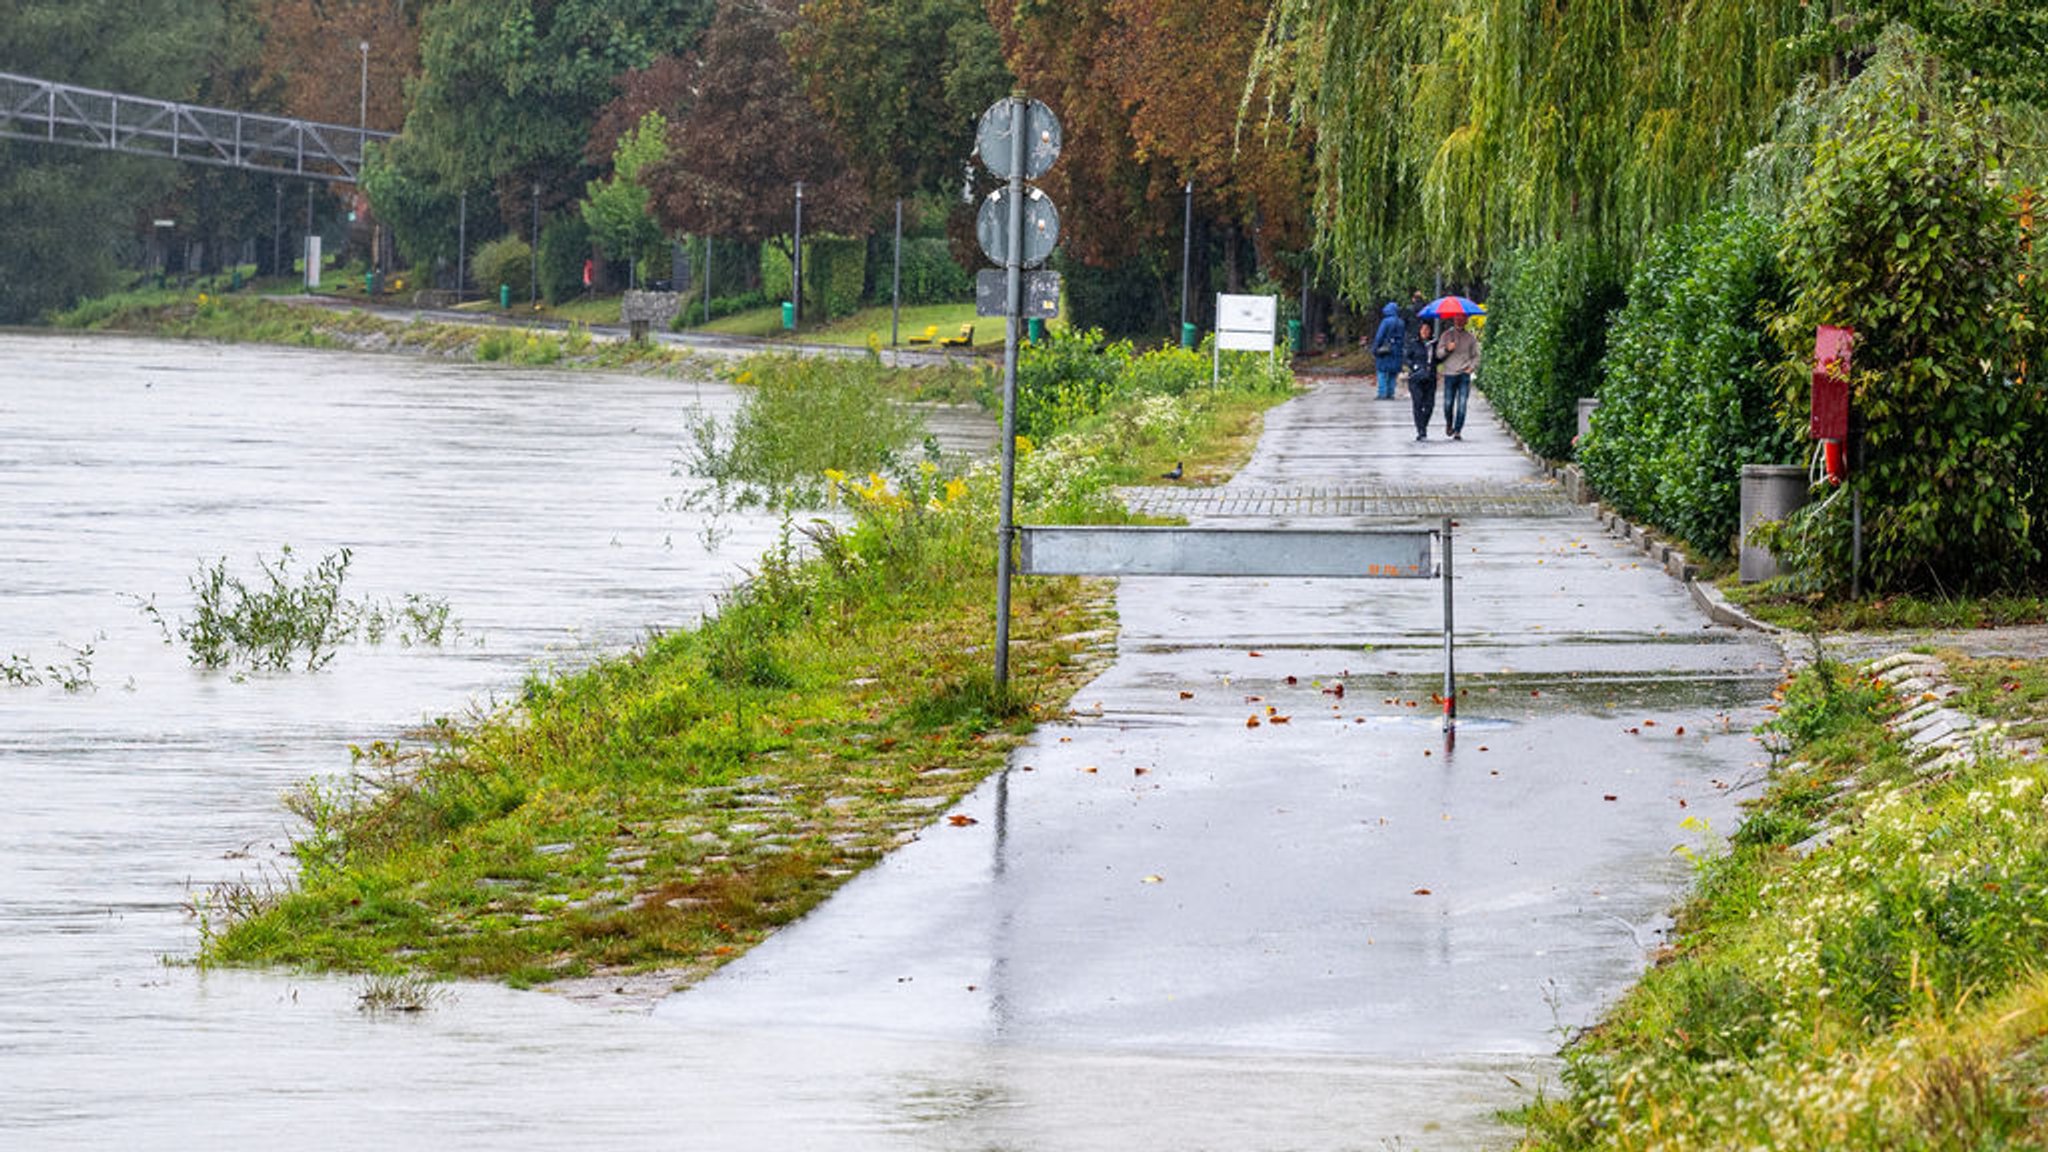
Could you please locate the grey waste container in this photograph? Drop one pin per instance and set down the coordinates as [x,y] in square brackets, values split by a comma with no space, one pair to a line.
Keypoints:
[1769,492]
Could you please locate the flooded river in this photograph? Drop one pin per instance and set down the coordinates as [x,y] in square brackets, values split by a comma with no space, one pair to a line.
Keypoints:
[1233,945]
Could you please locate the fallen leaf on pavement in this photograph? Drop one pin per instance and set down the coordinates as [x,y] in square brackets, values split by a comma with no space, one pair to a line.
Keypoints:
[1155,878]
[961,821]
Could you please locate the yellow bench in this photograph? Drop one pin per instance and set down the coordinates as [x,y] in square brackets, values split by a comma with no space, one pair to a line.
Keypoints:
[964,339]
[931,333]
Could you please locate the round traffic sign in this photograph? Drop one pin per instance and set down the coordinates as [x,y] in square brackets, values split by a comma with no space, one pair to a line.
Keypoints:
[1041,227]
[994,140]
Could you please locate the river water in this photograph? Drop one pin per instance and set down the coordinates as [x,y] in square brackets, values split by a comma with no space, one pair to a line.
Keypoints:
[536,505]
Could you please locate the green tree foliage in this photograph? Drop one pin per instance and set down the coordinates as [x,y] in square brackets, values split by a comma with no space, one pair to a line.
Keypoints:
[1687,397]
[509,88]
[1451,132]
[423,215]
[1546,331]
[617,207]
[901,83]
[1908,231]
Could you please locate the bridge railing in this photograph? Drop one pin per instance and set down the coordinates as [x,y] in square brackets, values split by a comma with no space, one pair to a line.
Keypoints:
[34,109]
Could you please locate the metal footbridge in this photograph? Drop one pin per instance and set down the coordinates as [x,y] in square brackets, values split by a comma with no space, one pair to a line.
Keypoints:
[53,113]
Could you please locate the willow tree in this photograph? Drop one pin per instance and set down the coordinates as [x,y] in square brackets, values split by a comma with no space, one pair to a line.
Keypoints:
[1451,131]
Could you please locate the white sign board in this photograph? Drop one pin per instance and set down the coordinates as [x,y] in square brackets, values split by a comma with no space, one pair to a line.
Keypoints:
[1246,323]
[312,263]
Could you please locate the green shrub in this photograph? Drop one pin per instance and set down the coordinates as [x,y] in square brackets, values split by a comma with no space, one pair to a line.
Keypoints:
[930,274]
[1546,331]
[1125,300]
[1686,398]
[508,260]
[564,246]
[1906,230]
[804,415]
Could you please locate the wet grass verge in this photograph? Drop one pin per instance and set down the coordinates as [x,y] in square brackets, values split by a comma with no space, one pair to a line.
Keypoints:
[663,810]
[1817,613]
[1860,968]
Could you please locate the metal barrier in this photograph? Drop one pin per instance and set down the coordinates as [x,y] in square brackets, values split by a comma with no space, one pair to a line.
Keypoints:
[1370,553]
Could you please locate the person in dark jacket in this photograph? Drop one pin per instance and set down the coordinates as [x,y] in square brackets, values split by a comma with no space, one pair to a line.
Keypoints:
[1387,348]
[1420,372]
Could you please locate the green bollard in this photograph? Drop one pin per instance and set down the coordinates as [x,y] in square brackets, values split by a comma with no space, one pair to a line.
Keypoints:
[505,296]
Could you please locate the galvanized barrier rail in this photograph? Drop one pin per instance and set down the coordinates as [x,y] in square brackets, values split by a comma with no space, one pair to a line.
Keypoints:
[1367,553]
[53,113]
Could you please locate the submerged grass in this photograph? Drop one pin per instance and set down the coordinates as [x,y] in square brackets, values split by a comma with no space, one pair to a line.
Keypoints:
[665,809]
[1861,969]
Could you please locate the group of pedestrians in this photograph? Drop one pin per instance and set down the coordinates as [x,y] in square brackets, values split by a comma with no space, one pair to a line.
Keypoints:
[1423,352]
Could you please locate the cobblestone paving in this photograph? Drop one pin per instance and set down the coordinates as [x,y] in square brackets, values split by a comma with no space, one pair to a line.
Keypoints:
[1374,502]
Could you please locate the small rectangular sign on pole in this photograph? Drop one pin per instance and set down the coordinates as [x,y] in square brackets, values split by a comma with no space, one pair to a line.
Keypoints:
[1041,293]
[1246,323]
[1243,324]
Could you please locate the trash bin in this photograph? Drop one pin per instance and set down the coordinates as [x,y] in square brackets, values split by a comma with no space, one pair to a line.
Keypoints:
[1769,492]
[1586,406]
[1187,335]
[1034,330]
[1294,336]
[505,296]
[789,315]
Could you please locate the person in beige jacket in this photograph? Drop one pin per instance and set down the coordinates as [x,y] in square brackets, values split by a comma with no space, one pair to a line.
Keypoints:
[1457,358]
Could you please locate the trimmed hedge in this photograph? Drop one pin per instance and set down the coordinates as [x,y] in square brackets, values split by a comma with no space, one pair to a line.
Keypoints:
[834,268]
[1546,331]
[1687,396]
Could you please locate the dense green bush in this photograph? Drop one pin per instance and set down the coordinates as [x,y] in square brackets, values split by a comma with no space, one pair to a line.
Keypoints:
[930,275]
[1546,330]
[833,271]
[1074,376]
[1686,398]
[1907,231]
[564,246]
[1125,300]
[507,260]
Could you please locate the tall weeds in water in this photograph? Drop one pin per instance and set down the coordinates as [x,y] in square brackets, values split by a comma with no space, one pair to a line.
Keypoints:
[283,620]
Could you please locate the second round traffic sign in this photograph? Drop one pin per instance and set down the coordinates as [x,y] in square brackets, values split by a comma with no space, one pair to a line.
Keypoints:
[1041,227]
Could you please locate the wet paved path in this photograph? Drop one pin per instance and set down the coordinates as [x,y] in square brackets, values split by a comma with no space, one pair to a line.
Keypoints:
[1170,927]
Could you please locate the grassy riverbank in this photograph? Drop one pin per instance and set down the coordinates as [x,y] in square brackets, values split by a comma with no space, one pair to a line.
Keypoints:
[663,810]
[1863,967]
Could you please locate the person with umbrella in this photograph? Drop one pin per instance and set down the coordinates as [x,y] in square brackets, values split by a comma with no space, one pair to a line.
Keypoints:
[1457,358]
[1421,374]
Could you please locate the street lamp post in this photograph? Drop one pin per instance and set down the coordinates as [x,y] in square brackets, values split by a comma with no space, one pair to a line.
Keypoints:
[796,263]
[533,290]
[1187,248]
[363,98]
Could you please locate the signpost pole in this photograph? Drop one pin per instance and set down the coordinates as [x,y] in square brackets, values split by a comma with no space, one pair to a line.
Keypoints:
[896,280]
[1450,670]
[1013,270]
